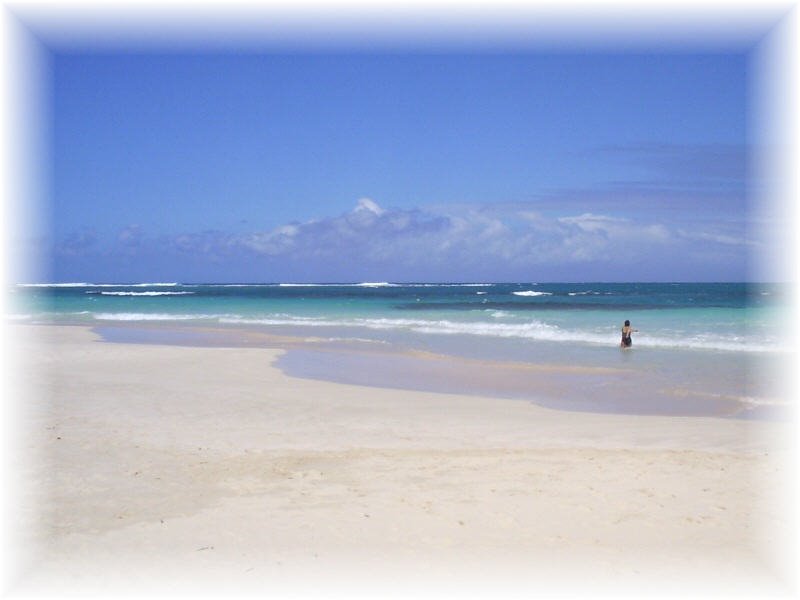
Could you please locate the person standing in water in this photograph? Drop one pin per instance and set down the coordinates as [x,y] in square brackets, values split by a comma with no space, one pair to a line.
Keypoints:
[626,335]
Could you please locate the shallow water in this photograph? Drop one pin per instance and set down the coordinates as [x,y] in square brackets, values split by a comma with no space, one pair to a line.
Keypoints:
[700,349]
[607,381]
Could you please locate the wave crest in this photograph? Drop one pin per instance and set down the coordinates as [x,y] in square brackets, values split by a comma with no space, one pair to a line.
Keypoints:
[532,293]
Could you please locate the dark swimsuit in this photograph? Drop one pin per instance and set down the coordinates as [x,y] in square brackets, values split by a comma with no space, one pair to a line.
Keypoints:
[626,339]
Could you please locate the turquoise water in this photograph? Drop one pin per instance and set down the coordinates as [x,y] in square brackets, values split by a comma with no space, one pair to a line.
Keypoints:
[726,317]
[701,341]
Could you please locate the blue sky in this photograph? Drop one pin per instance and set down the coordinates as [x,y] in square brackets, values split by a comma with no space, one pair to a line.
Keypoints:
[401,166]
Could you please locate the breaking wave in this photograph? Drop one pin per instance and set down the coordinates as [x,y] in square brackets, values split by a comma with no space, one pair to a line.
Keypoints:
[532,330]
[153,317]
[531,293]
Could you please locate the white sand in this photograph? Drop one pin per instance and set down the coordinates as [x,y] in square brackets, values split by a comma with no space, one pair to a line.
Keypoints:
[163,469]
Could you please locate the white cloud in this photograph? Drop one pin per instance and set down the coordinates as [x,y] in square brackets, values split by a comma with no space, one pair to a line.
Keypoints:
[275,242]
[717,238]
[368,205]
[451,240]
[456,236]
[619,231]
[590,222]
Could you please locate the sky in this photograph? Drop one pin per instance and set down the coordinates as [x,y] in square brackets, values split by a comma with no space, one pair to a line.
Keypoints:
[310,165]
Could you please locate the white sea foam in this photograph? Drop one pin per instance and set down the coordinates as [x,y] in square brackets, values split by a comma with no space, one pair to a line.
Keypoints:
[350,339]
[724,343]
[532,293]
[535,330]
[153,317]
[495,326]
[376,284]
[532,330]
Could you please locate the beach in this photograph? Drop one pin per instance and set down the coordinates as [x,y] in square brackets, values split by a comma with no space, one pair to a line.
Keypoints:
[387,305]
[163,468]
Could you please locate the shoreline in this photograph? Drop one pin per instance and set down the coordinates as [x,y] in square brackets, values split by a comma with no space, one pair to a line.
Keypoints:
[146,465]
[556,385]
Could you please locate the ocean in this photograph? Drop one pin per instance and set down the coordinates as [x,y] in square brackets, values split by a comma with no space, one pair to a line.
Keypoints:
[703,349]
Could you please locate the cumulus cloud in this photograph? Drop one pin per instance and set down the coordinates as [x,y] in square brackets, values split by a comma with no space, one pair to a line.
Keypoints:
[590,222]
[446,242]
[276,242]
[460,237]
[368,205]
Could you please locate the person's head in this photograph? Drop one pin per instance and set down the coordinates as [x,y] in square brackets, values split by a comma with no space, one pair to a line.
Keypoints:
[627,323]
